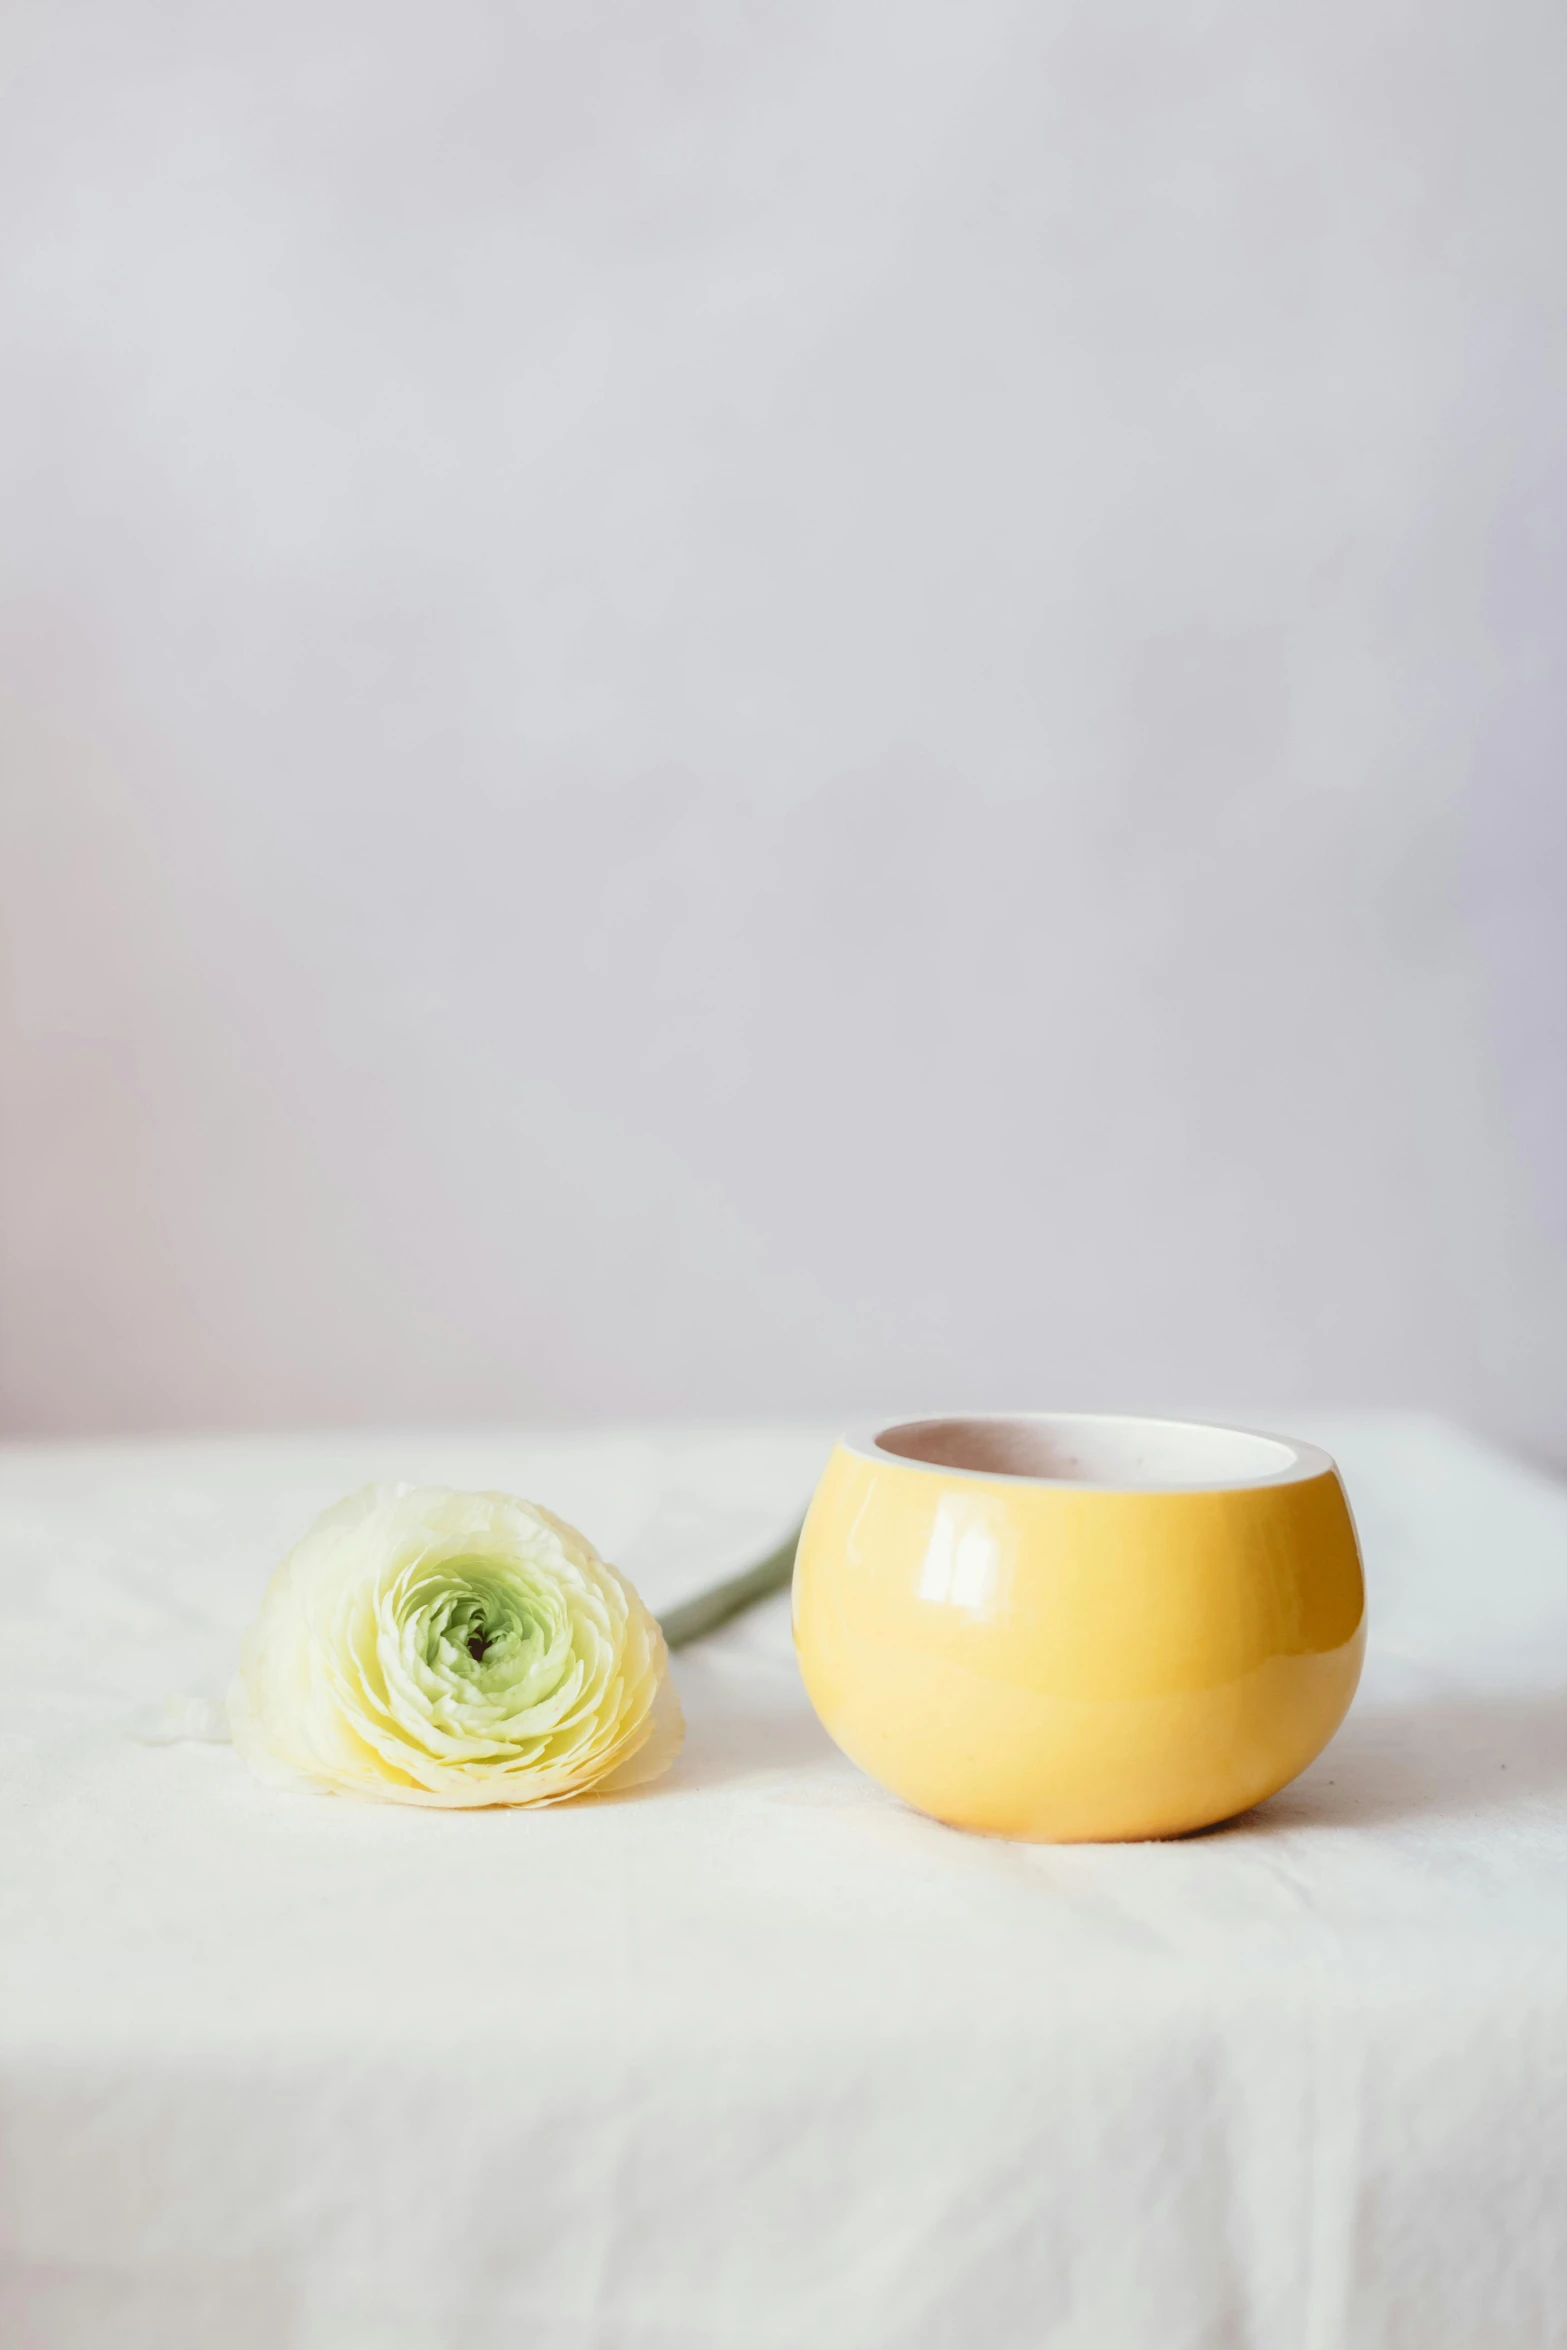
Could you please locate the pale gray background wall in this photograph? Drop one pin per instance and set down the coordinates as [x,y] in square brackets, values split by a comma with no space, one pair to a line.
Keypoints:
[712,708]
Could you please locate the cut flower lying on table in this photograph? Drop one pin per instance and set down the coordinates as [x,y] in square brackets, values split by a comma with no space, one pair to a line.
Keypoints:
[457,1649]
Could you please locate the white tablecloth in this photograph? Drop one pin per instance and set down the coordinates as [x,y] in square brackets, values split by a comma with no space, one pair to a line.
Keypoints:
[757,2059]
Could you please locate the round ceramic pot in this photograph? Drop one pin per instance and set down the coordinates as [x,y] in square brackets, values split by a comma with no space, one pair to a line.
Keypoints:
[1072,1627]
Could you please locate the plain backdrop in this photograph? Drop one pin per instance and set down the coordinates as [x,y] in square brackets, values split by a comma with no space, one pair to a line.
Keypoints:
[712,709]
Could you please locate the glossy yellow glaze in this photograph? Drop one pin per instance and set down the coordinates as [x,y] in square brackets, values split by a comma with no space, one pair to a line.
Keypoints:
[1066,1663]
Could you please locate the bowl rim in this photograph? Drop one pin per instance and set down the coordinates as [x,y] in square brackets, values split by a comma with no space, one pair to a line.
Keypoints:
[1302,1462]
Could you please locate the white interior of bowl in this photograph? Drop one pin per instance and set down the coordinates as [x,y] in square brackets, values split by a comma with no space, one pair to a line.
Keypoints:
[1109,1453]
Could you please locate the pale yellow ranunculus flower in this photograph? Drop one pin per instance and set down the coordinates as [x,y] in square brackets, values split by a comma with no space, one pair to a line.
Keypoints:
[425,1646]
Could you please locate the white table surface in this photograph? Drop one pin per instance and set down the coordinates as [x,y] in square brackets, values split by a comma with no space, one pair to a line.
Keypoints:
[757,2057]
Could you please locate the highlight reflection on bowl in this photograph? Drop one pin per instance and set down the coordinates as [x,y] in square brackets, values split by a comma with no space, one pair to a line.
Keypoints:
[1073,1627]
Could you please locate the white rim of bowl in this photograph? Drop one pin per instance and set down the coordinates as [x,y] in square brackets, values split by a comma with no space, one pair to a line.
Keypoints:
[1151,1448]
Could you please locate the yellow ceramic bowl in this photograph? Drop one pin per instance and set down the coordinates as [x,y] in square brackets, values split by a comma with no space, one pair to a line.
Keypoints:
[1078,1628]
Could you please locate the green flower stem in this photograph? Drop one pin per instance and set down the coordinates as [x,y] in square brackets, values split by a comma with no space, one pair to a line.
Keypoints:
[696,1617]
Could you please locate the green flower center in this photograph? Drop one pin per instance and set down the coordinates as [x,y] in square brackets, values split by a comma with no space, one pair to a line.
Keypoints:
[483,1646]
